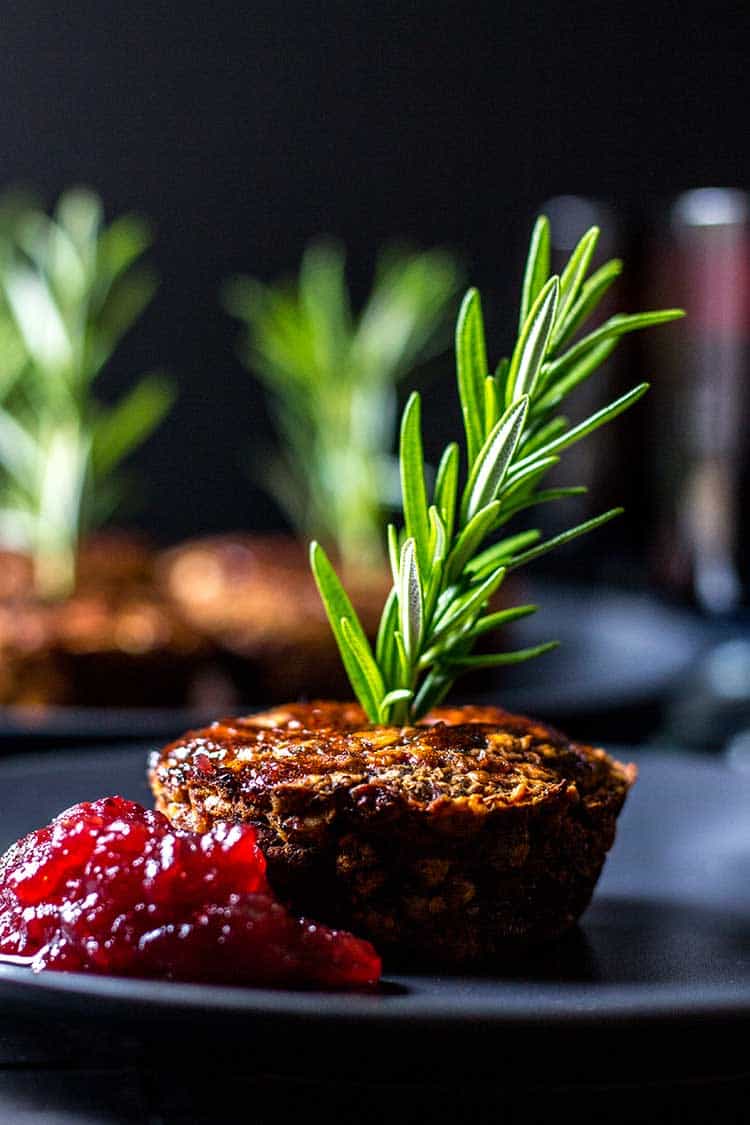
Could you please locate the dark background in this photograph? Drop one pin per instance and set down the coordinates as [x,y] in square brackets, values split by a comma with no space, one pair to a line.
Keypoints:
[243,130]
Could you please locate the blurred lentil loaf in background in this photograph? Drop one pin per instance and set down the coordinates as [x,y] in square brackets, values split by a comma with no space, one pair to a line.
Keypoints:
[115,640]
[105,620]
[253,599]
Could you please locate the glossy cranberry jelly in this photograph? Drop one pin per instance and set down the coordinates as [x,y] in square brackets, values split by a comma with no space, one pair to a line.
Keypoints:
[111,887]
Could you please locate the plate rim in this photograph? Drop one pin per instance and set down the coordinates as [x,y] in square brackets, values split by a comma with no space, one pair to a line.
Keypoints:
[563,1003]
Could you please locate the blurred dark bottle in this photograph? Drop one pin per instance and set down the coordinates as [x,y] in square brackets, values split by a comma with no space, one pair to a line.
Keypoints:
[700,370]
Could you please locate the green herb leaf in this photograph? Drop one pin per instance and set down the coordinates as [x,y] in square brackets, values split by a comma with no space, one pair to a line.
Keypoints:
[339,608]
[497,659]
[525,478]
[19,453]
[126,300]
[413,488]
[528,356]
[491,404]
[438,537]
[39,320]
[446,488]
[576,374]
[400,695]
[546,496]
[369,683]
[613,328]
[386,650]
[394,551]
[127,424]
[502,617]
[436,573]
[466,608]
[537,268]
[544,434]
[435,686]
[410,601]
[494,460]
[124,241]
[572,276]
[471,368]
[590,296]
[470,538]
[607,414]
[500,553]
[501,379]
[564,537]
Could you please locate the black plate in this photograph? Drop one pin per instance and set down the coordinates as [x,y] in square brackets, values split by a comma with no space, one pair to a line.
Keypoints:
[618,650]
[666,942]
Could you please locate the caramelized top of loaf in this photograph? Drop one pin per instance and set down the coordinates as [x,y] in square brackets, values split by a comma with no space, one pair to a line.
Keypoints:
[477,759]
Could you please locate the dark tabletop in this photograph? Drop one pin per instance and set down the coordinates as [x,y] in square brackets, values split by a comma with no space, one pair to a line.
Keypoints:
[55,1071]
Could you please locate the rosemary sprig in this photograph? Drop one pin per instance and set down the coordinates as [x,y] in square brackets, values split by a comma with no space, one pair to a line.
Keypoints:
[443,575]
[70,287]
[332,379]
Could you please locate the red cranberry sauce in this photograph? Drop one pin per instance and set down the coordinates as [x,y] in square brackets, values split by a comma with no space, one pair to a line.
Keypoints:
[111,887]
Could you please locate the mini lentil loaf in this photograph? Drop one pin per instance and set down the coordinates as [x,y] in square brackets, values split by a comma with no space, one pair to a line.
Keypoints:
[466,839]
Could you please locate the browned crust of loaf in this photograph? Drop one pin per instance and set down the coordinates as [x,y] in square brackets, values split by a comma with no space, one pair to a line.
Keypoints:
[450,840]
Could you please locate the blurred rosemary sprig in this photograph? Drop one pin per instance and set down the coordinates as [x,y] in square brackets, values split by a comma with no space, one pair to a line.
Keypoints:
[443,575]
[332,381]
[70,287]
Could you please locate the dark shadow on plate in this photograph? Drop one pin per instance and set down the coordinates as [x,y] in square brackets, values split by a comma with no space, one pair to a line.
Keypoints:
[570,958]
[392,988]
[627,941]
